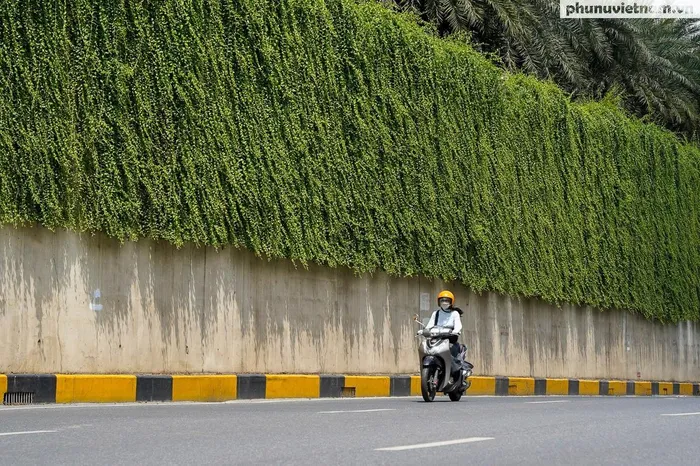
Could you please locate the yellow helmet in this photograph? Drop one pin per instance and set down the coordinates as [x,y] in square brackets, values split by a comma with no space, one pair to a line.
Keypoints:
[446,294]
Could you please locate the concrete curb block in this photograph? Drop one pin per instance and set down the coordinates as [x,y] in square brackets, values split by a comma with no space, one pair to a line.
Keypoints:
[96,388]
[93,388]
[42,386]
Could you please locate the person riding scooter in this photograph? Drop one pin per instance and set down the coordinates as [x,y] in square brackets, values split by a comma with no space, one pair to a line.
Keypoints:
[449,316]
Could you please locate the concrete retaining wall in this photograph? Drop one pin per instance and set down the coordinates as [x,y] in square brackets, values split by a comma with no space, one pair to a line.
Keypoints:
[193,310]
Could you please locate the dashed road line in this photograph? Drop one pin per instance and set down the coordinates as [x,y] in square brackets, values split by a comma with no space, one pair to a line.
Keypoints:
[436,444]
[28,432]
[356,411]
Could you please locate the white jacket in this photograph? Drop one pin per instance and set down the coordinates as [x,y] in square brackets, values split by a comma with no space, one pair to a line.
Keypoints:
[449,319]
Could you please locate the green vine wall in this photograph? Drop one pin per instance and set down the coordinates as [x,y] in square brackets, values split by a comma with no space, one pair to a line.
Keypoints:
[341,133]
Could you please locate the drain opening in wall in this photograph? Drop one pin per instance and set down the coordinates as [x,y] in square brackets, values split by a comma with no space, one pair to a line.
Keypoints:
[18,398]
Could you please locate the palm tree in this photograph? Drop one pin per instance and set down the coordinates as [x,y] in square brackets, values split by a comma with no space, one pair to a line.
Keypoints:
[654,64]
[660,71]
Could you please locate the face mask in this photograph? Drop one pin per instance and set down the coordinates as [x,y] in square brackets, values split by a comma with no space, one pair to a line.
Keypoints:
[444,306]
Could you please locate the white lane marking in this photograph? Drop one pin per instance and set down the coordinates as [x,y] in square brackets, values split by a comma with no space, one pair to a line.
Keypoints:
[172,404]
[5,434]
[436,444]
[270,400]
[356,411]
[79,426]
[101,405]
[175,404]
[682,414]
[543,402]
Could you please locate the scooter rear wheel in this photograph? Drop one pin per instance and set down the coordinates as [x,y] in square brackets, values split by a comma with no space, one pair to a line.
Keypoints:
[426,388]
[456,396]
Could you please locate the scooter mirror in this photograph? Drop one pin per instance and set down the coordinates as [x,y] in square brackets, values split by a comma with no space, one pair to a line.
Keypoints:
[415,317]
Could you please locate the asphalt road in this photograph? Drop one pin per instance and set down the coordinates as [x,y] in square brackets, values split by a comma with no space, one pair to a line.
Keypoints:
[485,430]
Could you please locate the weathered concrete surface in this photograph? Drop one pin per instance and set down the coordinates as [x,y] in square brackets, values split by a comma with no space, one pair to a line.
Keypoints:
[202,310]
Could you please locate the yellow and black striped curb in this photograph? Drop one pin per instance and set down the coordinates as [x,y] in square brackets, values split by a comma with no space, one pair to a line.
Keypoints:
[96,388]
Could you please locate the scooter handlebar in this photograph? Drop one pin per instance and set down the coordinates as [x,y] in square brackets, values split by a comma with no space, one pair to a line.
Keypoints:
[435,332]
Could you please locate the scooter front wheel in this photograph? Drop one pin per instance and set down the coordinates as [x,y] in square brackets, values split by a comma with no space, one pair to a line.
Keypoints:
[427,389]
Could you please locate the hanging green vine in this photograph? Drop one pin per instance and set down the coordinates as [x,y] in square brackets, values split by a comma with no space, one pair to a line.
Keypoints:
[338,132]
